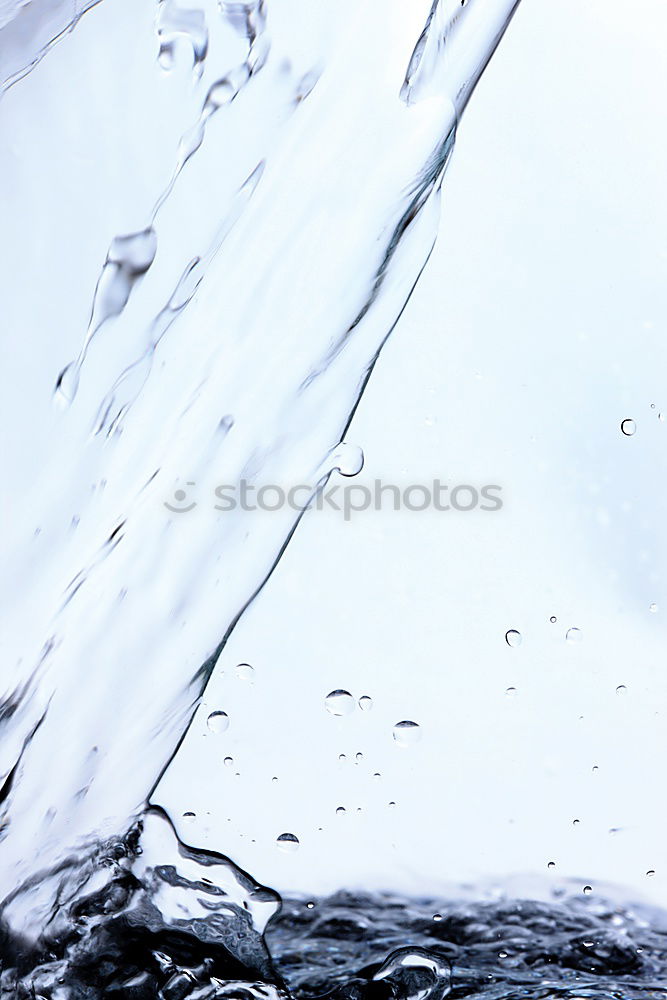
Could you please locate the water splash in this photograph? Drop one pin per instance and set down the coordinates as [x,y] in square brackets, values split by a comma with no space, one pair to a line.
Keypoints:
[328,212]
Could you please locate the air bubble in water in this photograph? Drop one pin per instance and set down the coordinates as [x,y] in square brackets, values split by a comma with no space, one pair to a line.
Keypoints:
[288,843]
[551,864]
[245,671]
[339,702]
[513,638]
[359,757]
[511,692]
[653,608]
[553,619]
[365,703]
[628,427]
[218,722]
[650,873]
[340,811]
[587,890]
[414,973]
[621,689]
[573,635]
[228,761]
[407,733]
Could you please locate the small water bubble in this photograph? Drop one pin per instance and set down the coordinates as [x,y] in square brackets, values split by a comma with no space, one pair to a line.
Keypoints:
[245,672]
[392,805]
[511,692]
[502,954]
[287,843]
[342,758]
[661,418]
[189,816]
[218,722]
[628,426]
[310,905]
[588,944]
[228,761]
[407,733]
[437,917]
[650,873]
[576,822]
[573,635]
[513,638]
[595,769]
[339,702]
[553,619]
[365,703]
[551,864]
[621,690]
[274,780]
[340,811]
[587,890]
[359,757]
[377,775]
[653,608]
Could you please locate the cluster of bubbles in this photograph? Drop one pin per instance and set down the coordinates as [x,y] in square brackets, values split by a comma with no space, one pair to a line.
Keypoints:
[341,702]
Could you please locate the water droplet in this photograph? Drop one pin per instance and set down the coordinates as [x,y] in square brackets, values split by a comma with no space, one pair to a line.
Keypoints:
[553,619]
[407,733]
[342,758]
[274,781]
[653,608]
[588,944]
[513,638]
[365,703]
[573,635]
[359,757]
[218,722]
[288,843]
[437,917]
[595,768]
[310,905]
[621,689]
[661,417]
[628,427]
[339,702]
[340,811]
[189,816]
[377,775]
[651,872]
[392,805]
[245,672]
[576,822]
[228,761]
[551,864]
[511,692]
[348,459]
[587,890]
[502,954]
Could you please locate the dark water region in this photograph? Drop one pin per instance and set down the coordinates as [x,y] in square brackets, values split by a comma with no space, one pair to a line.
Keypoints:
[571,947]
[175,933]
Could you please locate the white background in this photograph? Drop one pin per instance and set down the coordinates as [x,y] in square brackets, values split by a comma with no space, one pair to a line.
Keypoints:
[537,328]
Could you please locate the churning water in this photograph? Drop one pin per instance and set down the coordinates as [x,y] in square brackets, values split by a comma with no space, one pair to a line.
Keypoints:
[231,322]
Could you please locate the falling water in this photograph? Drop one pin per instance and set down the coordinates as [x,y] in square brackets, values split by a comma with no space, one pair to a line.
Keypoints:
[226,337]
